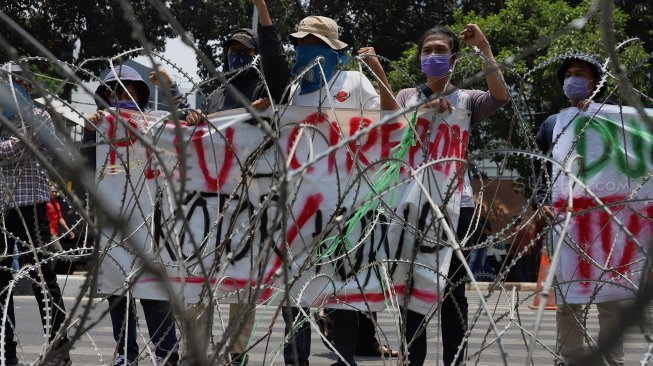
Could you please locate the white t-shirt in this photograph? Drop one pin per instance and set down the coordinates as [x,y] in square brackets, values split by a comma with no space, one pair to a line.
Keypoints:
[348,89]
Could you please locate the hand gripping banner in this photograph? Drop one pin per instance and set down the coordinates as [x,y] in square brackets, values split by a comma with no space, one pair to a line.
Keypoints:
[331,208]
[609,149]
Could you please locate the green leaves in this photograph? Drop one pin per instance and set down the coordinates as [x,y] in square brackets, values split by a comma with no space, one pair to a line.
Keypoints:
[76,30]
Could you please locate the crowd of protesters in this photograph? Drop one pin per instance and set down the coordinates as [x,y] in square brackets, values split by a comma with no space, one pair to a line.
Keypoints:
[32,216]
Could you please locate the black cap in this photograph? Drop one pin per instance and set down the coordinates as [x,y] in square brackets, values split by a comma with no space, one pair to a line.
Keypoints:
[245,36]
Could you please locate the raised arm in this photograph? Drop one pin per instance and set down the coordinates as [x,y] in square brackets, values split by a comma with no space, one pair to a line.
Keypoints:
[473,36]
[273,57]
[385,90]
[263,13]
[180,101]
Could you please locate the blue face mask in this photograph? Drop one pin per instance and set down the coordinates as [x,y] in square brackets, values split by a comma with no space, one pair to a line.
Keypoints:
[435,66]
[124,104]
[575,88]
[312,79]
[237,60]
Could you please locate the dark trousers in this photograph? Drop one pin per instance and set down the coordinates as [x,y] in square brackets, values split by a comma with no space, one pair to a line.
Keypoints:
[367,342]
[300,336]
[345,335]
[353,333]
[453,316]
[518,272]
[453,311]
[34,231]
[160,326]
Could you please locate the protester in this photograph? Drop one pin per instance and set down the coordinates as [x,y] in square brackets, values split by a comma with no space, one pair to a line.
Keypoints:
[24,193]
[242,46]
[480,234]
[55,219]
[437,51]
[367,344]
[158,315]
[317,36]
[104,94]
[579,75]
[496,256]
[519,251]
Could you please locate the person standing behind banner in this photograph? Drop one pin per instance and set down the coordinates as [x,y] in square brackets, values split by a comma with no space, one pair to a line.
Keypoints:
[521,239]
[241,48]
[437,50]
[24,192]
[579,75]
[317,36]
[477,257]
[55,219]
[158,313]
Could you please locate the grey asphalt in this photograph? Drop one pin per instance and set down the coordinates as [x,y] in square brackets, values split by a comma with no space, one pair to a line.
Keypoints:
[96,346]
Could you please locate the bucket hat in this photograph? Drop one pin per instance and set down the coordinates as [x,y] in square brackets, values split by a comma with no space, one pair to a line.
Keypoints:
[321,27]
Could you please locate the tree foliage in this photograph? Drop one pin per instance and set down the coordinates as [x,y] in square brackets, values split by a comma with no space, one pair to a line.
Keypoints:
[76,30]
[212,22]
[388,25]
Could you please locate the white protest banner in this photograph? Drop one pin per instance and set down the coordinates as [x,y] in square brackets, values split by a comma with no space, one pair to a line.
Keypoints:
[600,260]
[216,208]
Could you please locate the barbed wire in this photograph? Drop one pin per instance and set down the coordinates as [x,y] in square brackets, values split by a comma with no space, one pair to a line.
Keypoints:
[152,225]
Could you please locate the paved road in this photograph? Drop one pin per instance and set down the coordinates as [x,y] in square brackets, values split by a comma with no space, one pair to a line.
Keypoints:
[96,347]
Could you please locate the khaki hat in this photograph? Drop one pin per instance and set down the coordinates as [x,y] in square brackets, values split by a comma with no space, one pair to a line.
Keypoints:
[323,28]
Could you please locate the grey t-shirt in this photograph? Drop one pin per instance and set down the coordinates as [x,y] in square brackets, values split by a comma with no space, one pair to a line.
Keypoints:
[481,104]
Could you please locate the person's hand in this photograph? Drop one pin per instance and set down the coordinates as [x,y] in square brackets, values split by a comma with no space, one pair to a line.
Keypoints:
[442,105]
[548,211]
[473,36]
[195,117]
[264,15]
[544,215]
[93,121]
[71,235]
[261,104]
[368,55]
[583,104]
[161,76]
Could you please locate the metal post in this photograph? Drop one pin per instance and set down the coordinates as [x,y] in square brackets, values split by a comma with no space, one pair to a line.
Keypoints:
[255,20]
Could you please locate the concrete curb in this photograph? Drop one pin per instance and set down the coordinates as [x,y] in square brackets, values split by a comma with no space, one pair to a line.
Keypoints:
[72,284]
[520,286]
